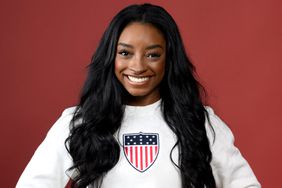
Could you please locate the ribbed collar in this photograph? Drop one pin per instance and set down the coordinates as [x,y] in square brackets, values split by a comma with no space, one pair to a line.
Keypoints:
[142,110]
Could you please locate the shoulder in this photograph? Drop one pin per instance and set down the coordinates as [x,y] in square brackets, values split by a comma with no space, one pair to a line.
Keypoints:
[217,129]
[69,111]
[62,125]
[51,160]
[230,169]
[67,114]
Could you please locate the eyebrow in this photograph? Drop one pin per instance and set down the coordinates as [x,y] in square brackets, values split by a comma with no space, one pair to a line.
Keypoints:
[147,48]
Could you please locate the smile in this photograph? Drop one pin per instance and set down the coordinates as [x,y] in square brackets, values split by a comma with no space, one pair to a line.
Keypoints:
[138,79]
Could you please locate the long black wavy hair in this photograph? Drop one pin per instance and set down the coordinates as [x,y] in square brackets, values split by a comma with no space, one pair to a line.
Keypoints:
[99,114]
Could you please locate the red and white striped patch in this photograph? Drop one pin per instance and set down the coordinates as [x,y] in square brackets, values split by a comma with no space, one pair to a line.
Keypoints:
[141,149]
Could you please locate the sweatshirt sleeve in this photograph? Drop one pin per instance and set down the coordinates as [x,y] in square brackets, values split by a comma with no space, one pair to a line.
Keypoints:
[50,162]
[230,169]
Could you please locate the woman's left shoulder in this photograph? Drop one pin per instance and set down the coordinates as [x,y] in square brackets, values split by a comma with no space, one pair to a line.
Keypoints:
[216,126]
[230,168]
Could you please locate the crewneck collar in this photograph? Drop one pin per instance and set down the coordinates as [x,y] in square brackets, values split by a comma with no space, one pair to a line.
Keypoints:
[142,110]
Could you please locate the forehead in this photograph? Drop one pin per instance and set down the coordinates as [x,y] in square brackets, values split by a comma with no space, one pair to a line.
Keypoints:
[141,33]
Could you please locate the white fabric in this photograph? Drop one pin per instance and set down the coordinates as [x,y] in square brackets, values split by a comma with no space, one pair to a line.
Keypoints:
[49,164]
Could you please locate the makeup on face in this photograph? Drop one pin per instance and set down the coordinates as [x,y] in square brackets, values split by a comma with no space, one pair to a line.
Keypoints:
[140,62]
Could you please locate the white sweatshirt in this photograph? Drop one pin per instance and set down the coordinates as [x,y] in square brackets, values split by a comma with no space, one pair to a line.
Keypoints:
[146,142]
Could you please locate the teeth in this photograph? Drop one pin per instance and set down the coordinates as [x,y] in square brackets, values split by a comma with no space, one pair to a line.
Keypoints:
[135,79]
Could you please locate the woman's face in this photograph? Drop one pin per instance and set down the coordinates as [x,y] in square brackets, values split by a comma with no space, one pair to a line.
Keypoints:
[140,62]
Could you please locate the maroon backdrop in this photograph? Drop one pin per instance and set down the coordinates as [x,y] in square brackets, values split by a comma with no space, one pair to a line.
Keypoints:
[236,46]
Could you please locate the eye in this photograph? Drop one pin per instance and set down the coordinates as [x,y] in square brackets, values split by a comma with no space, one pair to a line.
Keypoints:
[154,55]
[124,53]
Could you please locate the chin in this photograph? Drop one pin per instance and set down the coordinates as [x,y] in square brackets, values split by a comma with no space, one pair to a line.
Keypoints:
[137,94]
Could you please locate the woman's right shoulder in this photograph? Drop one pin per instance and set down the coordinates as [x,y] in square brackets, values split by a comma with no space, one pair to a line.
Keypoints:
[62,125]
[51,161]
[69,111]
[67,114]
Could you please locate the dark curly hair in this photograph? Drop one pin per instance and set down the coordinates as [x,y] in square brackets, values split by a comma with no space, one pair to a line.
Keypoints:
[99,114]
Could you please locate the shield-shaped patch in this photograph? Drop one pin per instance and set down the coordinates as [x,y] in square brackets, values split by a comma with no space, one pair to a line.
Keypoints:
[141,149]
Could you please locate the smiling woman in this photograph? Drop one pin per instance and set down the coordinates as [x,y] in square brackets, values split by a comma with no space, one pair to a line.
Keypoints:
[140,62]
[140,121]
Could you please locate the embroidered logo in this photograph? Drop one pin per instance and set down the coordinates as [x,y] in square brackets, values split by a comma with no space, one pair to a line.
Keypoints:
[141,149]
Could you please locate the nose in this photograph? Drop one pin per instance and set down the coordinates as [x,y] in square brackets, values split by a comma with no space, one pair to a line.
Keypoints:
[137,65]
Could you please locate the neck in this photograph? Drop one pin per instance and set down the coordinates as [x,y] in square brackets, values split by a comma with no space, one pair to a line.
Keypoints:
[142,101]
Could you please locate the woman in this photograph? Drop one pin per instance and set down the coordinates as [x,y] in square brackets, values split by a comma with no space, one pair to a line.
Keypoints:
[141,121]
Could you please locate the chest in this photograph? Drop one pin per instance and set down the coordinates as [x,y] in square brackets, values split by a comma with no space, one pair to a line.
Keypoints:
[147,156]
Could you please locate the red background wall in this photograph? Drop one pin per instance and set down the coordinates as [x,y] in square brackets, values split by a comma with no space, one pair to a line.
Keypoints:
[236,46]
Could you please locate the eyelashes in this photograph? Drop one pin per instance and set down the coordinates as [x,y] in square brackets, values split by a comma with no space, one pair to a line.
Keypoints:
[154,55]
[124,53]
[128,54]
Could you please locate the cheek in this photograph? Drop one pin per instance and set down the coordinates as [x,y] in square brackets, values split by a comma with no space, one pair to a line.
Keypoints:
[118,67]
[160,69]
[120,63]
